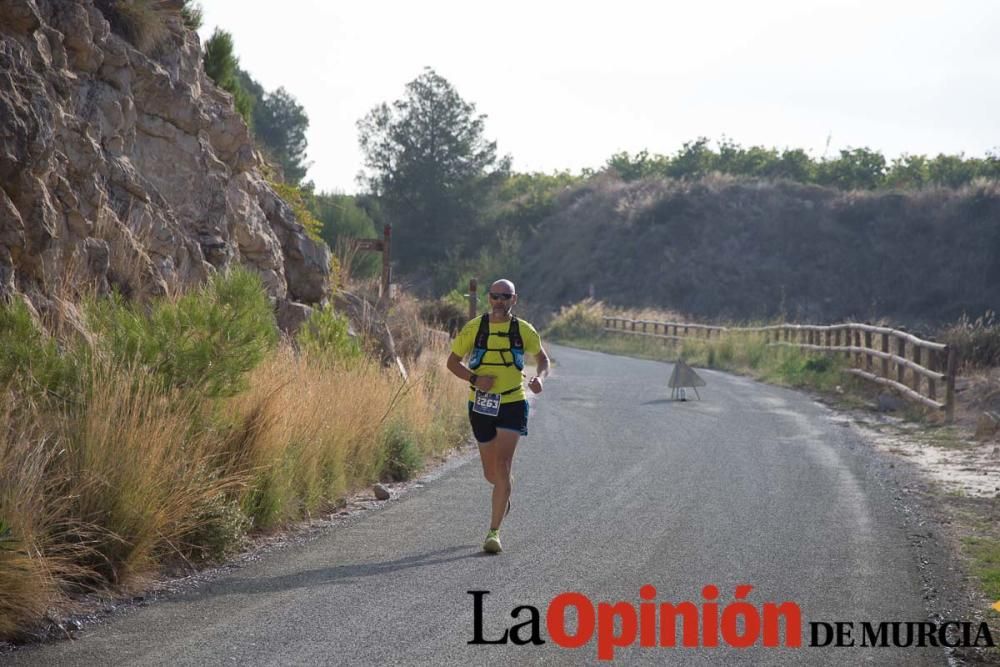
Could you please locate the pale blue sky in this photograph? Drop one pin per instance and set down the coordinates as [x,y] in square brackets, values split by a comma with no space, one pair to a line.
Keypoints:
[567,84]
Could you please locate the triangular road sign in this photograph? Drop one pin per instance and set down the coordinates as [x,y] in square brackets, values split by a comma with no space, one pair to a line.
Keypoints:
[684,376]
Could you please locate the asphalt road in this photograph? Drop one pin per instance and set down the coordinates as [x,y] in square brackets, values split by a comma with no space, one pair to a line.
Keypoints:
[616,487]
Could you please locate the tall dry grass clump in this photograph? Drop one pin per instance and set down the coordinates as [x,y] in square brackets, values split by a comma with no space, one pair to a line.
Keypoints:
[310,430]
[142,467]
[164,434]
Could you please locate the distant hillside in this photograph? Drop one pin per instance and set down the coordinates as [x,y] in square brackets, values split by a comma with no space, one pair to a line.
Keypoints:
[722,248]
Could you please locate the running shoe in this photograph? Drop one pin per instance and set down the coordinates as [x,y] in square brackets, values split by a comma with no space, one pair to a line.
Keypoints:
[492,543]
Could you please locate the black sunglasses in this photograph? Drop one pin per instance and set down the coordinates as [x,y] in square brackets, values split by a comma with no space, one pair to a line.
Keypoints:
[506,296]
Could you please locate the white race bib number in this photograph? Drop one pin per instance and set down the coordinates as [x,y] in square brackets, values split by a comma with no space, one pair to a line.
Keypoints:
[486,404]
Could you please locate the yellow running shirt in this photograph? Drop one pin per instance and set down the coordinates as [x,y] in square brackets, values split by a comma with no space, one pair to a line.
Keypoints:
[507,377]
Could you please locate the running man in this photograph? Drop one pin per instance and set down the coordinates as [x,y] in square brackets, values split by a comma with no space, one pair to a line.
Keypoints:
[498,411]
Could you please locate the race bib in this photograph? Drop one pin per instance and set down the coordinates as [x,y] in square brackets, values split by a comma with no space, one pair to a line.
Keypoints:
[486,404]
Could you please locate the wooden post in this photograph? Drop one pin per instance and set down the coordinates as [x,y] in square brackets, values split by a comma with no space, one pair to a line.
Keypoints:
[885,362]
[949,396]
[932,365]
[827,337]
[633,325]
[644,326]
[386,259]
[901,353]
[868,346]
[473,295]
[919,356]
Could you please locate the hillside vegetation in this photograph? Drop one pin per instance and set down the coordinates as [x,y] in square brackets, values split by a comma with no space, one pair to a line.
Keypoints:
[723,247]
[138,436]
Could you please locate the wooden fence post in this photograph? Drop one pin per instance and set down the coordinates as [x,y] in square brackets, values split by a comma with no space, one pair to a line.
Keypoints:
[885,362]
[901,353]
[932,365]
[868,346]
[949,400]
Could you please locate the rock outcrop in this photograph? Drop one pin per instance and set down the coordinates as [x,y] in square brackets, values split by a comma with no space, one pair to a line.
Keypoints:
[131,170]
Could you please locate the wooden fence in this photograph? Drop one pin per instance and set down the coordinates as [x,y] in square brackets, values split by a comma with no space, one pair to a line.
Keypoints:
[915,367]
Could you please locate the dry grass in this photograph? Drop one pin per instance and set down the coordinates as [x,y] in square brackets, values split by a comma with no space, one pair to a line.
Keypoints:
[100,494]
[310,432]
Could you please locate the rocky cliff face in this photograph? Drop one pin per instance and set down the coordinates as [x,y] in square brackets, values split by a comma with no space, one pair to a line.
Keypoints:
[131,170]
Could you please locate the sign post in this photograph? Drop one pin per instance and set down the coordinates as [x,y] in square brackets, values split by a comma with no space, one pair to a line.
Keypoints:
[383,246]
[386,256]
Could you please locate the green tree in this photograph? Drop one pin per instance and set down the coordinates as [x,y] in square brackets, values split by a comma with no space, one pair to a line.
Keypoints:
[641,165]
[344,219]
[429,162]
[280,123]
[795,165]
[855,169]
[221,64]
[908,171]
[952,170]
[693,160]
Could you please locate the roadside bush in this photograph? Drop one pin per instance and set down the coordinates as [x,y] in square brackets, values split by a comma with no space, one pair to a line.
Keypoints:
[400,455]
[326,336]
[443,315]
[220,527]
[580,320]
[976,341]
[32,360]
[207,339]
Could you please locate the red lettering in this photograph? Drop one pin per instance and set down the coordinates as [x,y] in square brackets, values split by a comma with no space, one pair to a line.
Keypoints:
[793,623]
[555,620]
[607,640]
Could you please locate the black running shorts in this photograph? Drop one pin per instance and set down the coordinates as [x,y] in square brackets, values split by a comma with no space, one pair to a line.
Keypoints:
[512,417]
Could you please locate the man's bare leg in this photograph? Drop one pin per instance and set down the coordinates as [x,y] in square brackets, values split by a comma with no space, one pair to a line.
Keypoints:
[503,447]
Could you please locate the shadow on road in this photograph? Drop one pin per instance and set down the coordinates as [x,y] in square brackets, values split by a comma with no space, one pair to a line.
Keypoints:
[337,574]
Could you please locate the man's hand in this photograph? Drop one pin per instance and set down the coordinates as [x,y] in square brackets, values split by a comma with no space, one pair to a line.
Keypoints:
[535,384]
[485,382]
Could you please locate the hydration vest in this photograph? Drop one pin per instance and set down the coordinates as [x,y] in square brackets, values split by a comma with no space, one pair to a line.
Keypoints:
[480,347]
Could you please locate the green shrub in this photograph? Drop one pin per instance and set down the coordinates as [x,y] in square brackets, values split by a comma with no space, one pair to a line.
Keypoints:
[298,200]
[326,336]
[401,456]
[977,342]
[206,340]
[443,314]
[220,528]
[221,65]
[580,320]
[31,359]
[818,364]
[192,15]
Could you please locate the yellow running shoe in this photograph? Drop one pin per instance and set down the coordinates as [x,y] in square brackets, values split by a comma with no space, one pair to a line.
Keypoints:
[492,543]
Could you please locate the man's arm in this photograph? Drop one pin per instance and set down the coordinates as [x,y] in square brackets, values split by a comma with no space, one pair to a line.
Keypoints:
[541,370]
[458,369]
[541,363]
